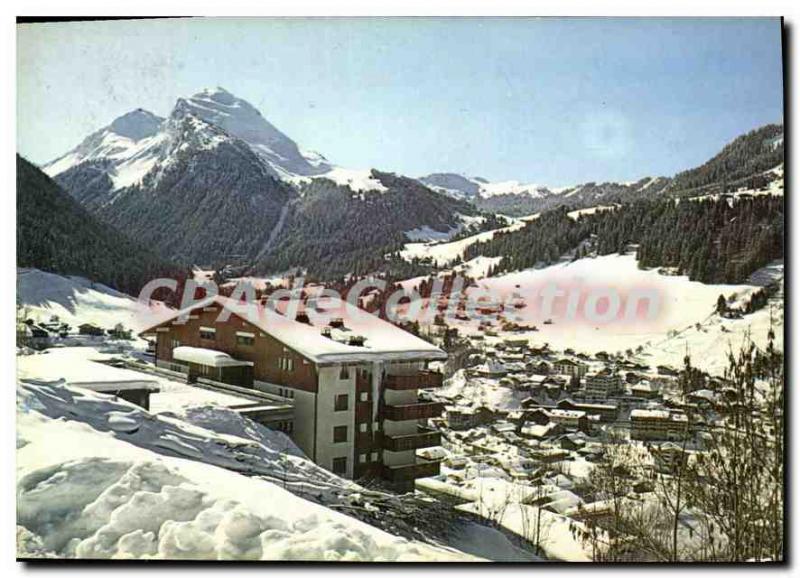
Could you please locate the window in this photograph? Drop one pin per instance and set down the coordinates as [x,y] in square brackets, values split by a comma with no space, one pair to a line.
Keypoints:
[340,402]
[285,363]
[175,343]
[362,458]
[247,340]
[344,372]
[339,434]
[340,466]
[364,396]
[208,333]
[374,456]
[362,427]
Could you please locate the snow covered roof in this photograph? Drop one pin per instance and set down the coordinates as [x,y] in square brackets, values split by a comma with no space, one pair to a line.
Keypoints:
[567,413]
[71,366]
[649,414]
[208,357]
[382,340]
[586,405]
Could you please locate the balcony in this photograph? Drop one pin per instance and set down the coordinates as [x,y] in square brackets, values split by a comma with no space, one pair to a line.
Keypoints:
[412,411]
[426,438]
[422,379]
[422,468]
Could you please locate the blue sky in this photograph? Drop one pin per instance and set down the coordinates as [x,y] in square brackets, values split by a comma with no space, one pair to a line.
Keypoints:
[551,101]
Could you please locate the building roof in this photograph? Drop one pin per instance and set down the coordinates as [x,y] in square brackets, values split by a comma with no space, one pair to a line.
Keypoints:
[649,414]
[209,357]
[584,405]
[76,367]
[567,413]
[382,340]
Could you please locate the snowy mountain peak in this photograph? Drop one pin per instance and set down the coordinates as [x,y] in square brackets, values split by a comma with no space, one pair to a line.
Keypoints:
[242,120]
[136,125]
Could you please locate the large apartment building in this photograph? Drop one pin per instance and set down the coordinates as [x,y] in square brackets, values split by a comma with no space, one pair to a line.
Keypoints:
[602,384]
[353,379]
[658,425]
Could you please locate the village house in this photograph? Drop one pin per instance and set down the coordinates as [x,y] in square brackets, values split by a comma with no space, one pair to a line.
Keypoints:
[569,367]
[90,329]
[605,411]
[569,418]
[645,390]
[539,368]
[353,379]
[669,457]
[32,335]
[459,418]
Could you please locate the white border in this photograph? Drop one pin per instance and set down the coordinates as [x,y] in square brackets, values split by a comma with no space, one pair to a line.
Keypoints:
[693,8]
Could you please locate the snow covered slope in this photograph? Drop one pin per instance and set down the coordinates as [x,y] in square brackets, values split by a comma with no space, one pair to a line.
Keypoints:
[473,188]
[127,144]
[443,254]
[685,316]
[200,432]
[76,300]
[82,493]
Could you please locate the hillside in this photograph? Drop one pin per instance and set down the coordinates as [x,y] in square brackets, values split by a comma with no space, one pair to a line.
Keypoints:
[330,231]
[54,233]
[743,163]
[711,240]
[739,164]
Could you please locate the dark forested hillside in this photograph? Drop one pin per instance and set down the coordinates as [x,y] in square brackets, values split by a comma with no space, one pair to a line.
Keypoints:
[332,230]
[211,207]
[54,233]
[713,241]
[746,157]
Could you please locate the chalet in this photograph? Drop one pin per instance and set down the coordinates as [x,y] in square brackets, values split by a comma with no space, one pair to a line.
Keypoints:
[492,368]
[569,418]
[533,383]
[644,390]
[34,336]
[569,367]
[353,378]
[90,329]
[542,431]
[669,457]
[666,370]
[537,416]
[468,417]
[515,343]
[541,368]
[703,398]
[572,442]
